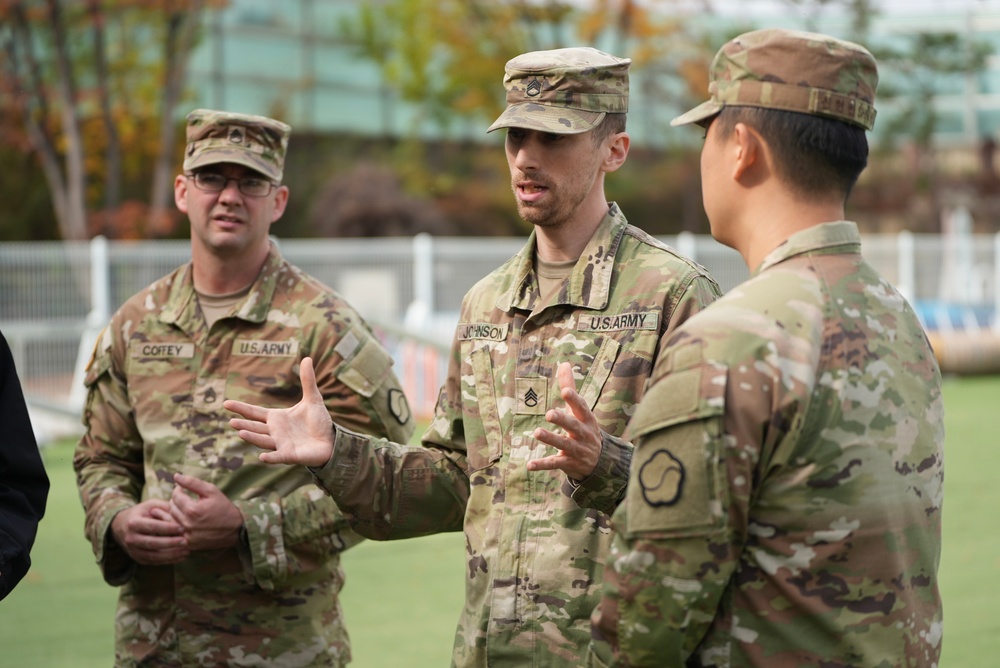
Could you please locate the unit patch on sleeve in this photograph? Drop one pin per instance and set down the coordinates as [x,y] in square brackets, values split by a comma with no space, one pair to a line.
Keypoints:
[661,478]
[399,406]
[620,321]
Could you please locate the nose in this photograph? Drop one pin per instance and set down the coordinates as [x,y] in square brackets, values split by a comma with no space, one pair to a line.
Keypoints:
[526,154]
[231,191]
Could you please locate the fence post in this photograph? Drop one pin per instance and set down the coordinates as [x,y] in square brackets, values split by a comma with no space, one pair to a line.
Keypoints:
[687,245]
[100,282]
[423,269]
[906,265]
[97,317]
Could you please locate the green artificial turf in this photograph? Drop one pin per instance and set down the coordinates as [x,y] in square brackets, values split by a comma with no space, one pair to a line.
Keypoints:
[402,599]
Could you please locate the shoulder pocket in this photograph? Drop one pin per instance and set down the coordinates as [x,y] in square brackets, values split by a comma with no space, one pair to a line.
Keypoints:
[677,480]
[366,364]
[100,359]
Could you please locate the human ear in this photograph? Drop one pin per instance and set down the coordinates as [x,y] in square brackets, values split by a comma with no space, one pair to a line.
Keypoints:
[617,151]
[747,150]
[280,202]
[180,193]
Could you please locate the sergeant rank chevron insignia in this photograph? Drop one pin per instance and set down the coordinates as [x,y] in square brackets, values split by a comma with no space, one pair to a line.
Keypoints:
[530,398]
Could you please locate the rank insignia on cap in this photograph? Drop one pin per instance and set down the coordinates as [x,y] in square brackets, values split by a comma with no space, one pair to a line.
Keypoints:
[563,91]
[256,142]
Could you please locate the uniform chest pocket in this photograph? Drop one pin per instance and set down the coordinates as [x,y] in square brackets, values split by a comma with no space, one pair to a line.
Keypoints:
[600,371]
[264,372]
[483,431]
[160,377]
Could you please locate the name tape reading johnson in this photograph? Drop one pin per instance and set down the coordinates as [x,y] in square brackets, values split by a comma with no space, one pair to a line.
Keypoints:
[467,331]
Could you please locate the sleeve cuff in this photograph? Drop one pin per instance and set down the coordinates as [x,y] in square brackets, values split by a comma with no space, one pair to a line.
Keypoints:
[605,488]
[341,469]
[263,553]
[116,565]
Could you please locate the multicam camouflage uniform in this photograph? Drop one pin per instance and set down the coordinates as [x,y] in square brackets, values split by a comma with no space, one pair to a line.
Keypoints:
[784,503]
[535,545]
[784,506]
[156,387]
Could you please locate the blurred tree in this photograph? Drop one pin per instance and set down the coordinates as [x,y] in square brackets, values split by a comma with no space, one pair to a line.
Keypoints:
[813,14]
[446,58]
[919,63]
[80,80]
[368,202]
[913,70]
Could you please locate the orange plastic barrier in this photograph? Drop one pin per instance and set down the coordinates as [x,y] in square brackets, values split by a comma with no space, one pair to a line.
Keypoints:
[965,352]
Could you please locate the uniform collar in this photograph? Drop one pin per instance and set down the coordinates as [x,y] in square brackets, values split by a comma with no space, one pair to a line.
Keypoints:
[182,305]
[842,235]
[590,281]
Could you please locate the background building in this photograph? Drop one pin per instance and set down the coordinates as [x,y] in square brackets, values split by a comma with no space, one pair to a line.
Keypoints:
[293,59]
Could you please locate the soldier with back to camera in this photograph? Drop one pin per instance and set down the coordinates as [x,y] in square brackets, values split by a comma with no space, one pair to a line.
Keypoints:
[784,504]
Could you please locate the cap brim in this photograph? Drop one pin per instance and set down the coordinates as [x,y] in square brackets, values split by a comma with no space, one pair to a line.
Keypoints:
[702,112]
[244,158]
[545,118]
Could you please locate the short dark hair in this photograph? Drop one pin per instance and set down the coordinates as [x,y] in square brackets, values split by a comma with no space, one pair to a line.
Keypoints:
[814,155]
[611,125]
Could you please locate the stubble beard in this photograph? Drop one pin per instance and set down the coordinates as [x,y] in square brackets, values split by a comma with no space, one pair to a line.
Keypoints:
[531,213]
[543,214]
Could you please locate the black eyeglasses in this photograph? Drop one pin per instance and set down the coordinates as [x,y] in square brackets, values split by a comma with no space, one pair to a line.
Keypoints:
[248,185]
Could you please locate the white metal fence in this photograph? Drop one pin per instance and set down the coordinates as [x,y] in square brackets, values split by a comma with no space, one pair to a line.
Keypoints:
[55,296]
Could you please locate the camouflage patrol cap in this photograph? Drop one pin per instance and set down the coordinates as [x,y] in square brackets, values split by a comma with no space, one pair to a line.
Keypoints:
[222,136]
[565,91]
[793,71]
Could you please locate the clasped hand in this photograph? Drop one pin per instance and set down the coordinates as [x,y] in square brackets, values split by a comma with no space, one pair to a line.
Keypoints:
[198,516]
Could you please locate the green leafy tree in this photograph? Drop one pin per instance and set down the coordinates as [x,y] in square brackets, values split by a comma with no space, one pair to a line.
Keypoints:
[446,58]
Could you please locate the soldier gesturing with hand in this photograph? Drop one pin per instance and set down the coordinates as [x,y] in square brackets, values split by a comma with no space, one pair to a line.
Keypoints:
[302,434]
[510,456]
[580,440]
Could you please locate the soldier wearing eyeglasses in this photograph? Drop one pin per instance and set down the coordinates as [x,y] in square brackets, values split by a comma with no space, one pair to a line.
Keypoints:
[223,560]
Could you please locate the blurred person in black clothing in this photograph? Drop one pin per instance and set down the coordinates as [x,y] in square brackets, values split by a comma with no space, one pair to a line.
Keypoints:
[24,486]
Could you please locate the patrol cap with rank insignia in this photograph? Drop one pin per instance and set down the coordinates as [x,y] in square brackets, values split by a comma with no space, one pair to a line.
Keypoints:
[563,91]
[256,142]
[790,70]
